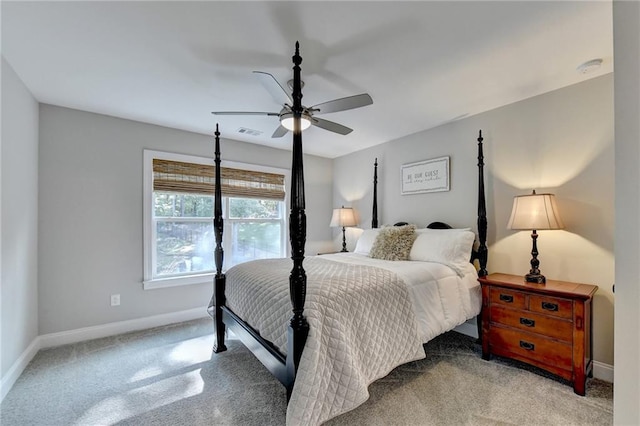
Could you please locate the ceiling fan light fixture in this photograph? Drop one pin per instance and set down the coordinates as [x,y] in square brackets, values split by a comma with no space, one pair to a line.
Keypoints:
[286,120]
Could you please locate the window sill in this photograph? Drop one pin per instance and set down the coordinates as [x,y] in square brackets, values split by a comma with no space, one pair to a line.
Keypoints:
[178,281]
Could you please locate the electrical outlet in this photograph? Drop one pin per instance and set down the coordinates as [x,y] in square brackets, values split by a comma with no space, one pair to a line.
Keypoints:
[115,300]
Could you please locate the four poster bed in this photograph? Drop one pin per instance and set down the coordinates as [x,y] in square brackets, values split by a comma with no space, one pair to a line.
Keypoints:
[344,320]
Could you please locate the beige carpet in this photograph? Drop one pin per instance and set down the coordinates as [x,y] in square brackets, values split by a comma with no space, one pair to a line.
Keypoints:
[168,376]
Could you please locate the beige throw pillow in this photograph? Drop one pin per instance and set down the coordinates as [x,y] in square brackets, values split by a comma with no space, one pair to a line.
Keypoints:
[394,243]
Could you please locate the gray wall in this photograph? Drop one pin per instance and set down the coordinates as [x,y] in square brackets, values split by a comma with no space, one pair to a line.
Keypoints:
[91,216]
[626,35]
[19,219]
[561,142]
[626,402]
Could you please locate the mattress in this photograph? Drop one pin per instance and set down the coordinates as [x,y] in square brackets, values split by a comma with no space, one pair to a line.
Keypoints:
[441,298]
[366,317]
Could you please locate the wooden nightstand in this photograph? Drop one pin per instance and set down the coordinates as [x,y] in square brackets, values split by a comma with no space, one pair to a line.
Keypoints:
[546,325]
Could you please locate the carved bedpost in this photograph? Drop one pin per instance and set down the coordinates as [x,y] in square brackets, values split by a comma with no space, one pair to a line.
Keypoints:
[374,214]
[483,252]
[220,278]
[298,325]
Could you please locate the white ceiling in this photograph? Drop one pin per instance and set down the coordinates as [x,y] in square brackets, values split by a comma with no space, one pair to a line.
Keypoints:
[424,63]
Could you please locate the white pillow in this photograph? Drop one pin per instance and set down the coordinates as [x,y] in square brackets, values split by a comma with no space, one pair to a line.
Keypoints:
[366,240]
[451,247]
[426,230]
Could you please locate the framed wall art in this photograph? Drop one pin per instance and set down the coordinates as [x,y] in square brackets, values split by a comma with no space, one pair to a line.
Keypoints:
[425,176]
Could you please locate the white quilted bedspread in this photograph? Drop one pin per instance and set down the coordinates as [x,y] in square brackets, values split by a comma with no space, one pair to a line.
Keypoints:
[362,326]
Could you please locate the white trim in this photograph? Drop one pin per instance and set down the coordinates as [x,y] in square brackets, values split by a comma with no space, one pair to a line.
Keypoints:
[113,328]
[88,333]
[178,281]
[148,230]
[603,371]
[9,379]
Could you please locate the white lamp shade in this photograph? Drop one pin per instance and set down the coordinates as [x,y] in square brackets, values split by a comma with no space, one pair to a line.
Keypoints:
[287,121]
[535,211]
[343,217]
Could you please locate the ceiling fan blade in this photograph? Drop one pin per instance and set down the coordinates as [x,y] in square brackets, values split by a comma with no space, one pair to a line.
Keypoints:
[280,132]
[273,87]
[244,113]
[331,126]
[343,104]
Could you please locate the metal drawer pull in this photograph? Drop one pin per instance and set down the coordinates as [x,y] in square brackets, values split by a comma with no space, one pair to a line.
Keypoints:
[548,306]
[506,298]
[527,322]
[526,345]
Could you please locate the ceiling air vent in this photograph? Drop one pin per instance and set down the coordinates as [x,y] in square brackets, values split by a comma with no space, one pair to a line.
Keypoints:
[251,132]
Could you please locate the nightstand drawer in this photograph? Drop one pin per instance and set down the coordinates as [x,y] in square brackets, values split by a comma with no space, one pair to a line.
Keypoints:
[533,323]
[535,347]
[506,297]
[546,325]
[555,306]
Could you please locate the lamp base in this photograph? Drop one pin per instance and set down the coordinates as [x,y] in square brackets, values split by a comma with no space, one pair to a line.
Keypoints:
[344,242]
[535,278]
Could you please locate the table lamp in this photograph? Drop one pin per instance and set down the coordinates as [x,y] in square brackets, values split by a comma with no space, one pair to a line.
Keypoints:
[343,217]
[535,212]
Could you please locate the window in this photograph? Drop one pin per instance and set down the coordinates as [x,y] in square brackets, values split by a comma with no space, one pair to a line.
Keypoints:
[254,229]
[179,236]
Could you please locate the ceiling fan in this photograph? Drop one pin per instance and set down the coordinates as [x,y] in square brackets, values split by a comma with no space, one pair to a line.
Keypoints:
[308,118]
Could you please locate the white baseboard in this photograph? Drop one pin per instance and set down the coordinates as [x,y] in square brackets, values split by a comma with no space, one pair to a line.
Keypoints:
[603,371]
[10,378]
[88,333]
[113,328]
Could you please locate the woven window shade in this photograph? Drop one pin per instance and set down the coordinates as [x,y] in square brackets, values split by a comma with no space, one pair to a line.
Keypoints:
[177,176]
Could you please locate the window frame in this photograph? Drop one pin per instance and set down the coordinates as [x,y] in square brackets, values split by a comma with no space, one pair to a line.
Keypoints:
[149,282]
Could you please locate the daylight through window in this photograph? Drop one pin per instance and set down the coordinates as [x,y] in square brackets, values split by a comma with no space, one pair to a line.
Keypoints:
[182,236]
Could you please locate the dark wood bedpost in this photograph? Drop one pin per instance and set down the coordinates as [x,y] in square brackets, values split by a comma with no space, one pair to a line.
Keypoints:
[374,214]
[220,278]
[298,325]
[483,252]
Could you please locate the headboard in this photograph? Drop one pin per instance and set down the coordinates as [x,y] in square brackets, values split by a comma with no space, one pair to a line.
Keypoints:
[480,253]
[432,225]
